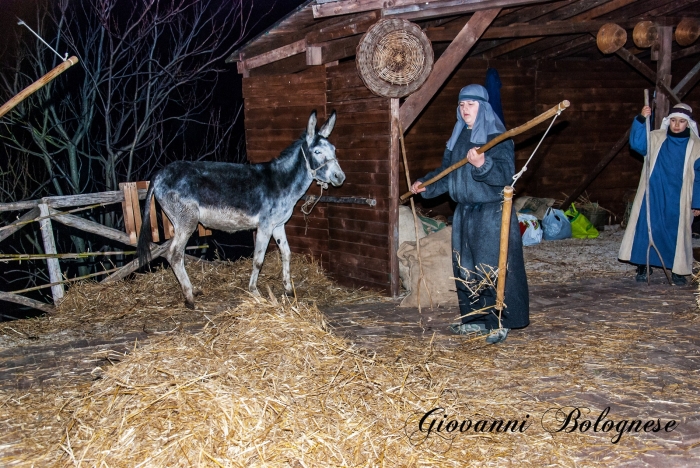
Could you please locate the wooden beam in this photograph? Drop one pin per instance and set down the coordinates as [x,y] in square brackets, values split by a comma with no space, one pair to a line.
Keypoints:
[648,73]
[91,227]
[356,24]
[427,10]
[15,226]
[54,267]
[293,64]
[445,65]
[25,301]
[569,46]
[394,193]
[326,52]
[689,80]
[337,8]
[692,50]
[663,71]
[126,270]
[599,10]
[597,170]
[272,56]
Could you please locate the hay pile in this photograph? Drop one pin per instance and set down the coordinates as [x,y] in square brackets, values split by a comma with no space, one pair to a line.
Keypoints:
[266,383]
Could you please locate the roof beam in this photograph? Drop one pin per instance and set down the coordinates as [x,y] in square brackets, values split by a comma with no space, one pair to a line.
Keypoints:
[350,26]
[346,7]
[595,12]
[326,52]
[436,9]
[272,56]
[446,64]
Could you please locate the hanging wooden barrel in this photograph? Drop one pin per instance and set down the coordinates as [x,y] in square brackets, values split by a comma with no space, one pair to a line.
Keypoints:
[394,58]
[611,37]
[645,34]
[687,31]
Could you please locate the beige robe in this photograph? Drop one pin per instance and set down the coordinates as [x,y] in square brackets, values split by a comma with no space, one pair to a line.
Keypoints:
[683,259]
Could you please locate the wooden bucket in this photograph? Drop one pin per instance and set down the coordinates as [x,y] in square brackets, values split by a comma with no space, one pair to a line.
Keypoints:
[645,34]
[611,38]
[687,31]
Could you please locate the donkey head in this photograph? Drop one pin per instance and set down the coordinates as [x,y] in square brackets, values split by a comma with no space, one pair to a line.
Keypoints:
[322,160]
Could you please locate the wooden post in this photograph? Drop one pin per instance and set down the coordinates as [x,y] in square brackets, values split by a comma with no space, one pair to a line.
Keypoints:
[394,155]
[661,52]
[50,248]
[503,254]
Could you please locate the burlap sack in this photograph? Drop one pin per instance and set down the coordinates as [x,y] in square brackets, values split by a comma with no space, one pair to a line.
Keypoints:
[436,253]
[407,233]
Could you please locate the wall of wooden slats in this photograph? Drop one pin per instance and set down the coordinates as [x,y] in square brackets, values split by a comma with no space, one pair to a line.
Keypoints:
[605,96]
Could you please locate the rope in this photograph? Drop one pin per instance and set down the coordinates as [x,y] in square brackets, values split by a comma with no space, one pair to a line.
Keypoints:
[522,171]
[63,59]
[311,202]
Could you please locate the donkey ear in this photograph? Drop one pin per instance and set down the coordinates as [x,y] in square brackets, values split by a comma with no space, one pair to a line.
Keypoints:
[328,126]
[311,128]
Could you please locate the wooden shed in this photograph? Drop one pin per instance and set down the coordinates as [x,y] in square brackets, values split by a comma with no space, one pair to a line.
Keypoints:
[544,52]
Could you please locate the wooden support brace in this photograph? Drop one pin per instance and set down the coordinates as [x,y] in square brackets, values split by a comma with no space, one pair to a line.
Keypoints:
[25,301]
[90,226]
[445,65]
[19,224]
[156,251]
[54,267]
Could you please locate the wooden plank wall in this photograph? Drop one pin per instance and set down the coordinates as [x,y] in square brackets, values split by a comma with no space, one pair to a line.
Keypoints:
[277,109]
[359,235]
[605,96]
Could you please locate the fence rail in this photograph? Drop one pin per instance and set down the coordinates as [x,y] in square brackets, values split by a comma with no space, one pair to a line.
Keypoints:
[46,210]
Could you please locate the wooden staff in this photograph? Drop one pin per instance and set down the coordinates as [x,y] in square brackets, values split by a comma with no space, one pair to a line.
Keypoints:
[38,84]
[503,136]
[503,254]
[647,170]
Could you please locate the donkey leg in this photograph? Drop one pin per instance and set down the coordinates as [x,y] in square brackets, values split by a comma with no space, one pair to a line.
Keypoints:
[281,239]
[184,223]
[261,241]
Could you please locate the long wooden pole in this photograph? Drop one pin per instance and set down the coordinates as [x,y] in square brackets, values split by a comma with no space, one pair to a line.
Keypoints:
[503,253]
[38,84]
[503,136]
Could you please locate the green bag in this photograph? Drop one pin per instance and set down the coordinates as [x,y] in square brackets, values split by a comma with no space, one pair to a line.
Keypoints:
[581,227]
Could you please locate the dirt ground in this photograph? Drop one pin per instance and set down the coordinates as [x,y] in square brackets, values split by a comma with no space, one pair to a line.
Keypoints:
[606,340]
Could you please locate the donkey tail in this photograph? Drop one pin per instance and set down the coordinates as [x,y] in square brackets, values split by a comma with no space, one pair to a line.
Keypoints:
[143,248]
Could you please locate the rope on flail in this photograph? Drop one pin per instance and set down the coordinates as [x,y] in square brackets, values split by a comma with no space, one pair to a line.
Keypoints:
[63,59]
[522,171]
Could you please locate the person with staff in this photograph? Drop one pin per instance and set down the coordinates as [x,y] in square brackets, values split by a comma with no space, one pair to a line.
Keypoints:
[674,195]
[477,188]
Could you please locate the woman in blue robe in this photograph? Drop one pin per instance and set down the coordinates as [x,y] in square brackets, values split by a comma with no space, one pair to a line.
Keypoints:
[477,188]
[674,195]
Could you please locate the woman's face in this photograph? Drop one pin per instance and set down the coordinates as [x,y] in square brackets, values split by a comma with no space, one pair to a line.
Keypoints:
[469,109]
[678,125]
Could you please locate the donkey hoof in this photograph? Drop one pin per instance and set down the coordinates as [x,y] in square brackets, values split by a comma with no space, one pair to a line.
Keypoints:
[197,292]
[189,305]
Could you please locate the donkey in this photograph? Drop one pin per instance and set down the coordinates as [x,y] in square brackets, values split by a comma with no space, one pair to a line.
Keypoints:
[236,197]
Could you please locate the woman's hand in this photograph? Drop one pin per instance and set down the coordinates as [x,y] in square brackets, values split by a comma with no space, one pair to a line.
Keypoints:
[646,111]
[696,212]
[474,158]
[415,189]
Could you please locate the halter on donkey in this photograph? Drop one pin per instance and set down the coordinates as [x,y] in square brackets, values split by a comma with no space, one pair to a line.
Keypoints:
[236,197]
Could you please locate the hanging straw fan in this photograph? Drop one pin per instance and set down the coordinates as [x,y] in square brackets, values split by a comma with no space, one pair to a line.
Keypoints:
[394,58]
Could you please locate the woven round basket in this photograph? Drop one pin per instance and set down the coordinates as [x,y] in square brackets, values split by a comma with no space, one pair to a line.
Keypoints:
[687,31]
[645,34]
[611,38]
[394,58]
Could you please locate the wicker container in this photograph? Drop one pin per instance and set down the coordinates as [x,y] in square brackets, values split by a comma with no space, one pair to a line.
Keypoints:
[611,37]
[394,58]
[687,31]
[597,216]
[645,34]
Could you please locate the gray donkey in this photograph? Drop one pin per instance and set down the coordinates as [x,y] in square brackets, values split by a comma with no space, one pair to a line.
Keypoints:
[235,197]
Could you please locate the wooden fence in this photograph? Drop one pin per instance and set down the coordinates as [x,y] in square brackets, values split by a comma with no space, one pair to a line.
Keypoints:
[61,209]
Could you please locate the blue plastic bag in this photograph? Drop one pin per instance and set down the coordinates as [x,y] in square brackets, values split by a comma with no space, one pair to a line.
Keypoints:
[556,225]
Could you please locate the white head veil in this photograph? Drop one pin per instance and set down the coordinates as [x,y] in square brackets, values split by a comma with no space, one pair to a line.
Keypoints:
[681,111]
